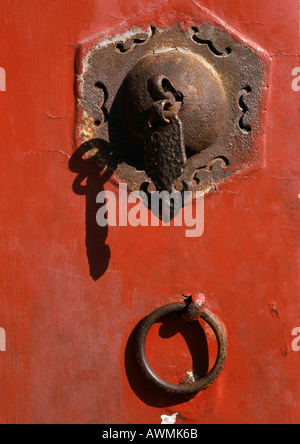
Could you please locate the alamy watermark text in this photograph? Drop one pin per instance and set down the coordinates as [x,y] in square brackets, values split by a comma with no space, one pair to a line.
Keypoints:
[183,209]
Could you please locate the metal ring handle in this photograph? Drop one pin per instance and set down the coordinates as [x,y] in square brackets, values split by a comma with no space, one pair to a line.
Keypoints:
[186,388]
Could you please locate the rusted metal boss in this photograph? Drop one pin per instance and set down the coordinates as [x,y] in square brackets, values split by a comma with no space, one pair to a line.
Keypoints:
[189,85]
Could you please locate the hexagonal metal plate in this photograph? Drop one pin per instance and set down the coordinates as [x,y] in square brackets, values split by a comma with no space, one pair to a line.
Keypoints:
[103,69]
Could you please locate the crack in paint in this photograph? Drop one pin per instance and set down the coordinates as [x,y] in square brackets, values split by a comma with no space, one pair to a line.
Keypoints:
[143,11]
[281,332]
[48,151]
[57,117]
[249,23]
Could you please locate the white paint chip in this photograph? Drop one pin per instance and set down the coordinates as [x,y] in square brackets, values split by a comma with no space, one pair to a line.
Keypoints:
[2,340]
[169,419]
[190,377]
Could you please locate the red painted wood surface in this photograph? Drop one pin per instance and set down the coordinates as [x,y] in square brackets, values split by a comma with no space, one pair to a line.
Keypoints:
[69,312]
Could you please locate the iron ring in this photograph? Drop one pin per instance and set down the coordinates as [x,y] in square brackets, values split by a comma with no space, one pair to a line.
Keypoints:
[184,388]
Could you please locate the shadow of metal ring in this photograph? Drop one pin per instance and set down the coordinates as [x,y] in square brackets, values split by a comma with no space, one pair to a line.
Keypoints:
[184,388]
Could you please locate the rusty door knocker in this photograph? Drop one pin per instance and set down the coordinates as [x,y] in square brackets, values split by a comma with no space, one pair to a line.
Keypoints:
[178,111]
[191,312]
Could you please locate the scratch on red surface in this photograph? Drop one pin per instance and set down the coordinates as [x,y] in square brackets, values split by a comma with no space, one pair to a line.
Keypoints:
[57,117]
[47,151]
[274,310]
[280,328]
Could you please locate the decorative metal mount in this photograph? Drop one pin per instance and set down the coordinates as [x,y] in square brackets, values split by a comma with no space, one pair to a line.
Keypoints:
[205,85]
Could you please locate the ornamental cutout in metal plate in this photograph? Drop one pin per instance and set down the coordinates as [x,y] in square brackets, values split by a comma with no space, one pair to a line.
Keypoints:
[167,109]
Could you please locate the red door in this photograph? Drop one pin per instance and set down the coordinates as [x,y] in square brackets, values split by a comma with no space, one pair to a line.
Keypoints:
[73,293]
